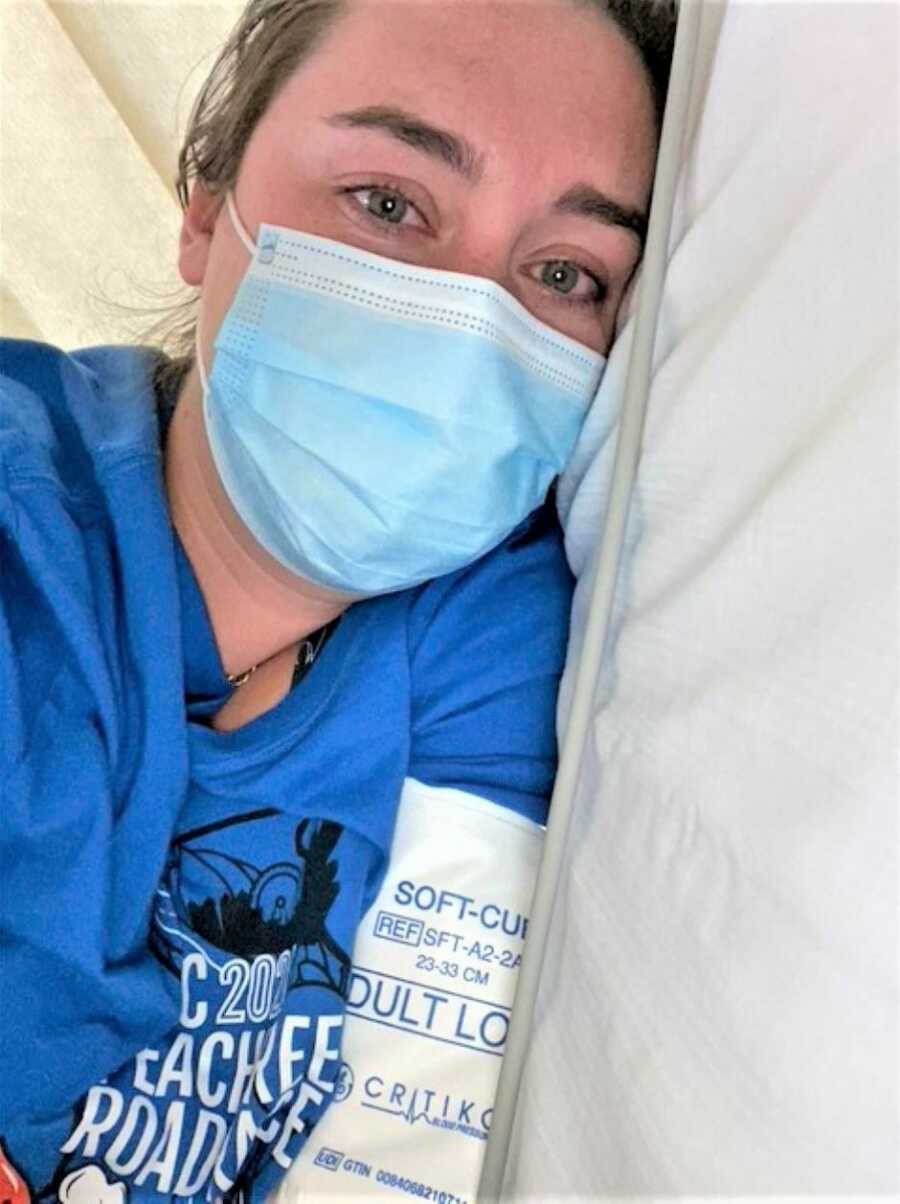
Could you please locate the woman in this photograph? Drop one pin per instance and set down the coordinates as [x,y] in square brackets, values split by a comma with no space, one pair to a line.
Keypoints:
[411,227]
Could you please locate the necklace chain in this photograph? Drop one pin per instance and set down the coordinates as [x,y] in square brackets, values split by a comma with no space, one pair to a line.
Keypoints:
[238,679]
[305,649]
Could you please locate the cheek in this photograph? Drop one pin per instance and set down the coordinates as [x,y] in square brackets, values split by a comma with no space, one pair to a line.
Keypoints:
[295,197]
[600,339]
[228,262]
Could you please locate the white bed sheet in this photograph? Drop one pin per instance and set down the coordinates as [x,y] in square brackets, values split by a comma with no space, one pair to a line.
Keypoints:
[718,1008]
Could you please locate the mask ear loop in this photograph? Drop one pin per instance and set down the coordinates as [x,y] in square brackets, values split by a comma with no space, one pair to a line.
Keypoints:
[241,231]
[198,356]
[239,228]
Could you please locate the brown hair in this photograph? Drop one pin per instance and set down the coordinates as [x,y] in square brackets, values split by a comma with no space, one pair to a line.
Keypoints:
[269,41]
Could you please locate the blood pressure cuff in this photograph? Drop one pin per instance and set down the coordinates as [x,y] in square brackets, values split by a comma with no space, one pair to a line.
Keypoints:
[434,973]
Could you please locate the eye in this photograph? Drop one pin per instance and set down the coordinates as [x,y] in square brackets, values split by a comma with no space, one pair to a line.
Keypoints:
[387,205]
[574,283]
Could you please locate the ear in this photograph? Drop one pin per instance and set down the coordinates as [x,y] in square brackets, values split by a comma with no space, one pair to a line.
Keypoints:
[197,226]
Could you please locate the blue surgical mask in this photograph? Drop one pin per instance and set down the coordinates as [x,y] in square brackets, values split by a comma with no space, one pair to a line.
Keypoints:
[376,424]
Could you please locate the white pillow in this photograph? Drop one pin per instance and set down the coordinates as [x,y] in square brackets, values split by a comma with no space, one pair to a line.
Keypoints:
[718,1007]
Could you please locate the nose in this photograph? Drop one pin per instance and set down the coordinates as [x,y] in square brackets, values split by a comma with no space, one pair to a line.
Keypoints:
[485,254]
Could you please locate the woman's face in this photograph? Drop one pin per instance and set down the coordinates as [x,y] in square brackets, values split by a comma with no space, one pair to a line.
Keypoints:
[513,141]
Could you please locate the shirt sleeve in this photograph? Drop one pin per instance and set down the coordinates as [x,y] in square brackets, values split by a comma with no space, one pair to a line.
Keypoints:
[83,828]
[487,647]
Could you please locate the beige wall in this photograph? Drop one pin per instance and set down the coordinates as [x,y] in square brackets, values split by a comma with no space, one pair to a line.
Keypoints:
[93,97]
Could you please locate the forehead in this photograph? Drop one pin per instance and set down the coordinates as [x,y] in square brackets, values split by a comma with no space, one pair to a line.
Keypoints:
[543,87]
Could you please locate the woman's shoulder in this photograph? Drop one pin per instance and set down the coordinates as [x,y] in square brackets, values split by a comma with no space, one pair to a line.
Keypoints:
[62,411]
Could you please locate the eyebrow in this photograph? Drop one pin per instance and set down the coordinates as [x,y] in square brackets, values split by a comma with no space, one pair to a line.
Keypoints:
[582,200]
[451,149]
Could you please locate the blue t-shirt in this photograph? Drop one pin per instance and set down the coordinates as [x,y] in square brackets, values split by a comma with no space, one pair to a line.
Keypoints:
[179,904]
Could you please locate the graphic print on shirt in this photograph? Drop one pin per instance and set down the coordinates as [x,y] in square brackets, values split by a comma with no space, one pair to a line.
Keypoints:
[250,910]
[251,919]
